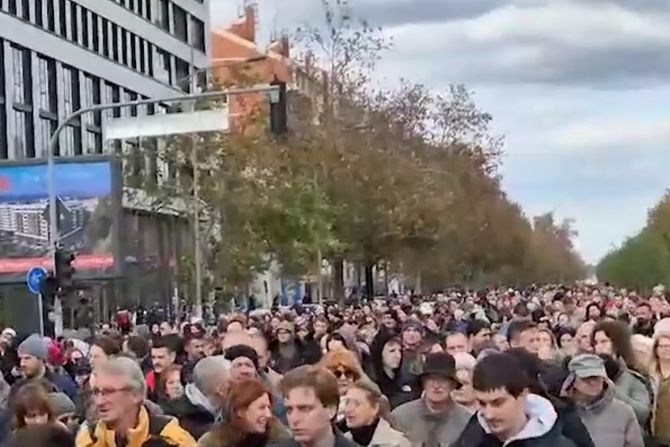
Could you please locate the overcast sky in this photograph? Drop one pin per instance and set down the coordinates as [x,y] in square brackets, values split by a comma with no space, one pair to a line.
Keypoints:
[579,88]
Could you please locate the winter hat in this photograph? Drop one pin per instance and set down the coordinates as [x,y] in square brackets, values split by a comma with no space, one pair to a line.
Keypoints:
[242,351]
[440,364]
[34,346]
[60,404]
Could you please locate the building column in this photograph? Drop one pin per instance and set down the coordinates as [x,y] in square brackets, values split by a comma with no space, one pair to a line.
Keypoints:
[9,99]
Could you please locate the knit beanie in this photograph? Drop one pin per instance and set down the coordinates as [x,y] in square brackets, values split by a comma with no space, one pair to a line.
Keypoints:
[34,346]
[60,405]
[242,351]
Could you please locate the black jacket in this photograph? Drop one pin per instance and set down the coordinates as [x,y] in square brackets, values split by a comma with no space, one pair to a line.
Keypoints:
[193,418]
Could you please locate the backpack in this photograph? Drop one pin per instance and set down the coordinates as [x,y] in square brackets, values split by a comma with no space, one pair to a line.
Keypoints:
[156,426]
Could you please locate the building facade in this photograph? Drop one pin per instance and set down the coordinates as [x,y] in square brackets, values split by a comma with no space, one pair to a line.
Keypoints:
[59,56]
[63,55]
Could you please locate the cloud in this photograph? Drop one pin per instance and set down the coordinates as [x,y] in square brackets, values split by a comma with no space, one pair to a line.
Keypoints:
[570,43]
[627,134]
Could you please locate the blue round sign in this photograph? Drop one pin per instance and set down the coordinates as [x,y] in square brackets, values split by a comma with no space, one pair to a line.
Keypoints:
[34,279]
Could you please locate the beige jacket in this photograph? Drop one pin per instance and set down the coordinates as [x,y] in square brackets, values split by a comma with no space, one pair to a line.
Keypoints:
[386,436]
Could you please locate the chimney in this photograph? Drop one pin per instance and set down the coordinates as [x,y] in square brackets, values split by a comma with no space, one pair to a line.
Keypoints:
[280,46]
[285,46]
[246,26]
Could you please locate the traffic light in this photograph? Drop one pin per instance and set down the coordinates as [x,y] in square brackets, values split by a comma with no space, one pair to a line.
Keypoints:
[278,109]
[64,270]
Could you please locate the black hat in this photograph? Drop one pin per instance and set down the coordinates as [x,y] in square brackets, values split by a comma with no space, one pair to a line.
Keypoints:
[440,364]
[242,351]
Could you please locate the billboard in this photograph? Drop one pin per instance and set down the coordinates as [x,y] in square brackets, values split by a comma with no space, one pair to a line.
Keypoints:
[88,207]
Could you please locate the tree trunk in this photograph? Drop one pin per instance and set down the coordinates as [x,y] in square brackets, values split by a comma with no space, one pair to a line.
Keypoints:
[338,280]
[369,281]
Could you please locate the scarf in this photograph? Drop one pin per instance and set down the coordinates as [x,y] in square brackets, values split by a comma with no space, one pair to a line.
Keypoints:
[363,435]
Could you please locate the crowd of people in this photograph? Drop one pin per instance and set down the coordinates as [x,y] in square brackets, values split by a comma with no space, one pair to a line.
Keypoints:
[554,366]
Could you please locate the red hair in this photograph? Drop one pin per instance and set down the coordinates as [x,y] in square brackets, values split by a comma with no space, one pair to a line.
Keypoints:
[241,396]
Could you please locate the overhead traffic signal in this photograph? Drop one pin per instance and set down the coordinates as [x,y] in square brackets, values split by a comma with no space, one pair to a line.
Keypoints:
[278,108]
[64,269]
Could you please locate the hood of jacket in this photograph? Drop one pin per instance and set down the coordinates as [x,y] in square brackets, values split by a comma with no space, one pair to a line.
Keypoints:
[198,399]
[541,419]
[376,349]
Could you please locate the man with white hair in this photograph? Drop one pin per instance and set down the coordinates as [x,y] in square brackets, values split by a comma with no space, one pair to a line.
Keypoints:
[119,392]
[202,401]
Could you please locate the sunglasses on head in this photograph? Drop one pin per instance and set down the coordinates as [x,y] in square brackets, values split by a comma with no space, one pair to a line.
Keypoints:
[349,374]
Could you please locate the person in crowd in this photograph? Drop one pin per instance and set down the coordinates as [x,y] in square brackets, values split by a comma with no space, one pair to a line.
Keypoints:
[345,367]
[659,373]
[584,337]
[434,419]
[524,334]
[367,417]
[194,345]
[46,435]
[386,357]
[465,395]
[204,398]
[163,355]
[499,342]
[138,347]
[172,383]
[610,422]
[243,362]
[631,386]
[8,356]
[594,312]
[456,342]
[508,414]
[32,361]
[119,394]
[644,319]
[548,350]
[250,422]
[31,407]
[312,399]
[568,416]
[412,349]
[102,349]
[288,352]
[565,341]
[479,335]
[642,350]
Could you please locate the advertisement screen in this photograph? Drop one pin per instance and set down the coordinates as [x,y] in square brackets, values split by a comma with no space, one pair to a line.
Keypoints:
[87,209]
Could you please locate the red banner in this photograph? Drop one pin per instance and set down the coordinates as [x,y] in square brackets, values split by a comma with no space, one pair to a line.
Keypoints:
[81,262]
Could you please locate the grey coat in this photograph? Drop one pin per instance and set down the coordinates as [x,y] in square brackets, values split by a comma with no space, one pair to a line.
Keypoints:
[611,422]
[423,427]
[631,389]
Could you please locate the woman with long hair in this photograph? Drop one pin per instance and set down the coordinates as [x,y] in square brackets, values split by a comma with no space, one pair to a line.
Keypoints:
[631,385]
[659,373]
[367,417]
[386,358]
[251,423]
[31,407]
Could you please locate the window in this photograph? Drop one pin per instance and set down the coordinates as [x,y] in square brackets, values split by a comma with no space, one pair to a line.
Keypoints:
[162,69]
[91,98]
[71,140]
[23,134]
[162,14]
[3,134]
[93,142]
[105,38]
[142,63]
[124,47]
[140,7]
[197,34]
[133,51]
[84,28]
[25,10]
[12,7]
[183,79]
[46,129]
[62,16]
[147,12]
[95,30]
[47,84]
[51,15]
[38,13]
[70,89]
[74,23]
[115,43]
[180,23]
[22,82]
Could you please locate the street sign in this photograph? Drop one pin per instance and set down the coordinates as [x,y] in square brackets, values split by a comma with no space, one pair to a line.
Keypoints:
[34,279]
[169,124]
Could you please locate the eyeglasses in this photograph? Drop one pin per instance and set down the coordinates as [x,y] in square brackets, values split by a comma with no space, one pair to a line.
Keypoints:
[347,373]
[106,392]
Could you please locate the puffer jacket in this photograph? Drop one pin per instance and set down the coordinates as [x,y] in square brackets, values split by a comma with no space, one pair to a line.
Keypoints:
[634,389]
